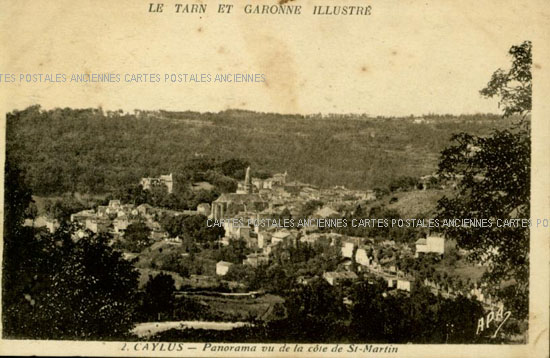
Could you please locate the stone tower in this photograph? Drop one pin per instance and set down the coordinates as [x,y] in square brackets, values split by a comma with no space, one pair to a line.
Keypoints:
[248,182]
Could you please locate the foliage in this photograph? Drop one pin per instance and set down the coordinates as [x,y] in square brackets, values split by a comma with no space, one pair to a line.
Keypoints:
[315,313]
[158,297]
[403,183]
[193,228]
[183,197]
[309,208]
[137,237]
[493,182]
[90,151]
[58,288]
[420,317]
[235,252]
[513,87]
[61,209]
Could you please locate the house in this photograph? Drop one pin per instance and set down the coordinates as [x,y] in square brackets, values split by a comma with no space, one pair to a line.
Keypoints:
[264,239]
[230,204]
[82,216]
[222,267]
[163,180]
[52,224]
[145,209]
[102,210]
[202,185]
[325,212]
[280,236]
[434,243]
[120,224]
[279,179]
[405,284]
[97,225]
[392,281]
[234,229]
[44,221]
[255,260]
[347,249]
[336,278]
[114,204]
[348,245]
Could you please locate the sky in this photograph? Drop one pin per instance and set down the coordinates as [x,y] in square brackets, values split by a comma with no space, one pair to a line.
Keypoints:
[407,57]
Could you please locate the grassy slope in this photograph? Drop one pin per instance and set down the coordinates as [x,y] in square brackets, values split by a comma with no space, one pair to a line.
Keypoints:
[412,204]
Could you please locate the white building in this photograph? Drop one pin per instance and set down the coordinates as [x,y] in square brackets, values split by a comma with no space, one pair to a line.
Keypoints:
[347,249]
[361,257]
[222,267]
[166,180]
[280,236]
[334,278]
[405,284]
[434,243]
[255,260]
[234,230]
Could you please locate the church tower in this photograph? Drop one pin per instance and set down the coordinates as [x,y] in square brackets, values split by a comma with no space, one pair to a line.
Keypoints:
[248,182]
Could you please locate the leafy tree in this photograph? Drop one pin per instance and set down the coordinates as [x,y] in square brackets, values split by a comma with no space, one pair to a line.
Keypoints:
[137,237]
[19,252]
[239,273]
[193,228]
[402,183]
[61,209]
[158,298]
[493,176]
[90,292]
[309,208]
[234,168]
[196,229]
[56,288]
[315,312]
[458,319]
[366,315]
[235,252]
[513,87]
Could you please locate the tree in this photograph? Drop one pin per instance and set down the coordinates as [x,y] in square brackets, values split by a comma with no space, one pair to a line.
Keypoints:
[493,176]
[234,168]
[315,313]
[56,288]
[235,252]
[513,87]
[137,237]
[89,294]
[366,316]
[61,209]
[158,298]
[32,211]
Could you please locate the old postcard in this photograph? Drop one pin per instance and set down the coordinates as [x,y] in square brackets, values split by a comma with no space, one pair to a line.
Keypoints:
[278,178]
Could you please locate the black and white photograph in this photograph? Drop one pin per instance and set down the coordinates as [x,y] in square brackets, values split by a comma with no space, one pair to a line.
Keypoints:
[290,178]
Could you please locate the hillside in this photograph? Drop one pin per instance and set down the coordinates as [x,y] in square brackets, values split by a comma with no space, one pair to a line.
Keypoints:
[414,204]
[90,151]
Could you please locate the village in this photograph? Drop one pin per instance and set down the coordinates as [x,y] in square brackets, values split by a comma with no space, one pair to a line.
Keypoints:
[268,214]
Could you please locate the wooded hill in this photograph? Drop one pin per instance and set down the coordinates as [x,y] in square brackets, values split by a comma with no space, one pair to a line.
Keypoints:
[92,151]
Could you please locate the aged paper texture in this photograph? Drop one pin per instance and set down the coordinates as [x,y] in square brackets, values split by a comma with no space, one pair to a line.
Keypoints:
[275,178]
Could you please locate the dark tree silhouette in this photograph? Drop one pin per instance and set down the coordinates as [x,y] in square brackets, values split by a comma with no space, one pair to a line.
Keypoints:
[158,299]
[493,176]
[56,288]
